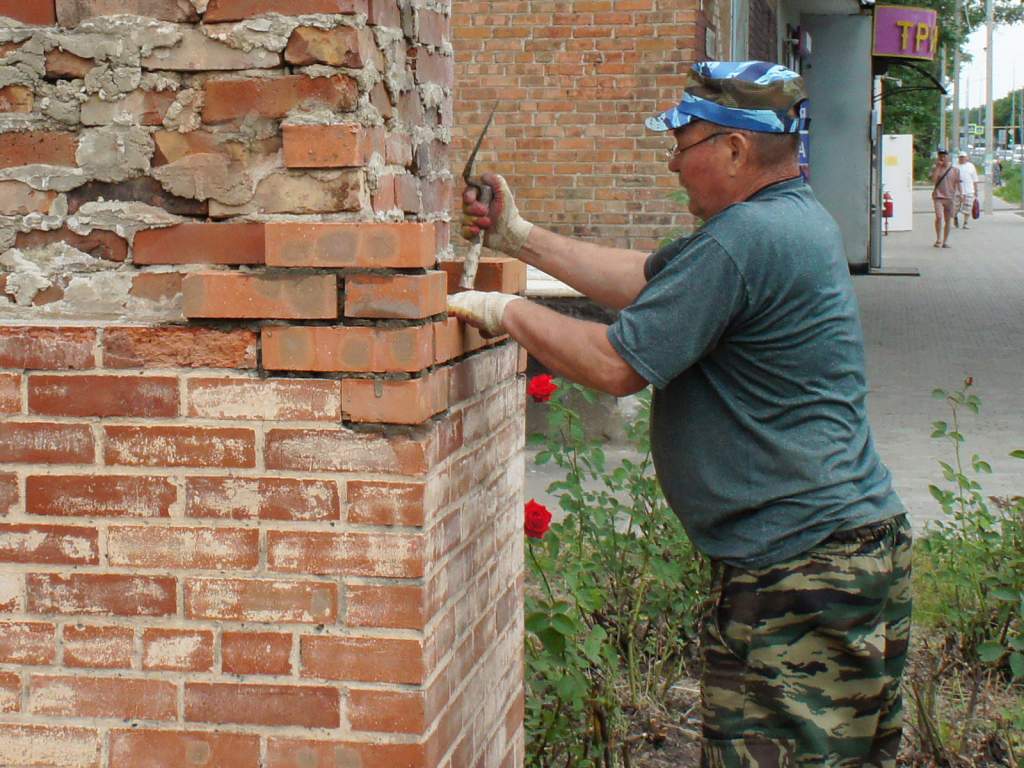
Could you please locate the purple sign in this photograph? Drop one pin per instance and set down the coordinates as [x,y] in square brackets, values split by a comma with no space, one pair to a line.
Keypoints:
[906,32]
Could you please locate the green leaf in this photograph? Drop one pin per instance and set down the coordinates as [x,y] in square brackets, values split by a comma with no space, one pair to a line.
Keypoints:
[537,622]
[554,642]
[537,438]
[543,457]
[563,625]
[592,645]
[939,394]
[1017,665]
[990,652]
[1017,643]
[1006,594]
[937,493]
[1017,454]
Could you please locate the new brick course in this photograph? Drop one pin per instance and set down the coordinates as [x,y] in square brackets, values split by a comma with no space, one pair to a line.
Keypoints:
[259,496]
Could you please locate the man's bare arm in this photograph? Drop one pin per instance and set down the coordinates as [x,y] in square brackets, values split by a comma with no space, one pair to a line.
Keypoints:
[576,349]
[612,277]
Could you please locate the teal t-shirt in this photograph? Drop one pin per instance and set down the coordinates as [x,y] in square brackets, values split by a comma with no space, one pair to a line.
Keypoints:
[750,333]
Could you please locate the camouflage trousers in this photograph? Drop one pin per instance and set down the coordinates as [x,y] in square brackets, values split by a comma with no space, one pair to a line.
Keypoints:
[803,659]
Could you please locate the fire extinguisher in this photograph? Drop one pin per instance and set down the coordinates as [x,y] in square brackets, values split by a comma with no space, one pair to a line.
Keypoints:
[887,208]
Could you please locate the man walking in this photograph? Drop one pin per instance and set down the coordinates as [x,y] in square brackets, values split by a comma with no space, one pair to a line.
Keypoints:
[748,330]
[945,186]
[968,189]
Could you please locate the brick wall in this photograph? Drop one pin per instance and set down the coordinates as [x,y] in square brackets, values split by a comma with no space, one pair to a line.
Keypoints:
[259,497]
[574,80]
[763,43]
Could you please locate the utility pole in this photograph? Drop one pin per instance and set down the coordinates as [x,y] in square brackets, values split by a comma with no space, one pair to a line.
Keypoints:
[989,128]
[956,79]
[942,98]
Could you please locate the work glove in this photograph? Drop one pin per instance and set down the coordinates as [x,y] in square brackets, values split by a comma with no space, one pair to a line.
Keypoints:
[481,309]
[504,229]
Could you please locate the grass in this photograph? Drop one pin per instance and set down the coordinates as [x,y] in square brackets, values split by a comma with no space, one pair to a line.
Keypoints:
[1010,191]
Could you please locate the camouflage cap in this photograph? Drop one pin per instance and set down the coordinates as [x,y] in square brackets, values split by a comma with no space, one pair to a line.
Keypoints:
[750,95]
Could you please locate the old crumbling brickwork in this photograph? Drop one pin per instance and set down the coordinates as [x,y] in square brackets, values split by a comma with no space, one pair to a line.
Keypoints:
[260,498]
[574,80]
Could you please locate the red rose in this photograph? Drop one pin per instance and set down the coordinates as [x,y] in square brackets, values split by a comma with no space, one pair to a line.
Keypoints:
[538,520]
[541,388]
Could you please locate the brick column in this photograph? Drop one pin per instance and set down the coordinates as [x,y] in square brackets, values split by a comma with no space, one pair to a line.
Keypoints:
[260,499]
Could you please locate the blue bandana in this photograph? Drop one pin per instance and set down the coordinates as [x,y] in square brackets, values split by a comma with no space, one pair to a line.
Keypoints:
[749,95]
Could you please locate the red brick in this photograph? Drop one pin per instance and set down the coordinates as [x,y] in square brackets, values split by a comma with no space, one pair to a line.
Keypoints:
[51,544]
[98,647]
[177,548]
[263,600]
[263,498]
[44,147]
[156,286]
[177,347]
[238,295]
[447,340]
[265,399]
[479,372]
[180,447]
[407,193]
[139,107]
[200,243]
[19,199]
[494,273]
[325,146]
[307,450]
[407,245]
[384,199]
[87,395]
[99,243]
[276,705]
[356,349]
[27,642]
[55,745]
[386,711]
[374,502]
[381,100]
[70,13]
[180,650]
[141,189]
[432,27]
[384,13]
[8,492]
[338,47]
[98,496]
[233,10]
[101,594]
[39,12]
[119,697]
[40,443]
[10,393]
[409,401]
[434,68]
[409,297]
[256,653]
[352,554]
[16,98]
[172,146]
[362,659]
[299,753]
[273,98]
[46,348]
[10,692]
[61,65]
[175,749]
[385,605]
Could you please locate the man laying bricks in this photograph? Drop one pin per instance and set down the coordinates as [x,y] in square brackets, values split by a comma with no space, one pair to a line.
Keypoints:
[749,332]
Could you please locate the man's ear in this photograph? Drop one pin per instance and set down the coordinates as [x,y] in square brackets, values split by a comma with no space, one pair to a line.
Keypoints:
[740,152]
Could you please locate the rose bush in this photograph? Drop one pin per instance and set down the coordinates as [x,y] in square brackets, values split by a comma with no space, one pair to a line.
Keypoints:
[613,596]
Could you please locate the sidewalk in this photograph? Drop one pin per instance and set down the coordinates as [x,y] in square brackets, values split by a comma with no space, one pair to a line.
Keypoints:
[964,316]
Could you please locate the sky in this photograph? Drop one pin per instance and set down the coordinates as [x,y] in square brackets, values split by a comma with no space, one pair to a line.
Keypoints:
[1007,44]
